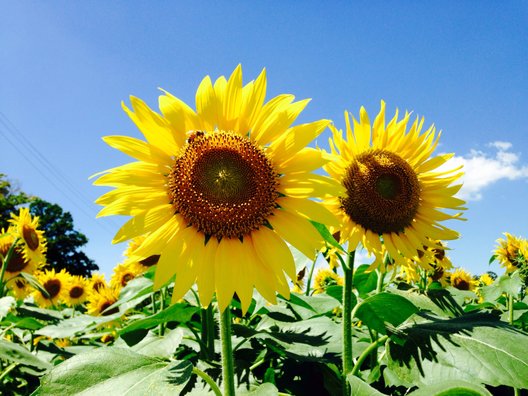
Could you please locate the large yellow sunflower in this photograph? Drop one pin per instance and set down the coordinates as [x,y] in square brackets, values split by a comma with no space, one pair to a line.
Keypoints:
[19,262]
[462,280]
[56,286]
[219,189]
[395,194]
[512,252]
[32,240]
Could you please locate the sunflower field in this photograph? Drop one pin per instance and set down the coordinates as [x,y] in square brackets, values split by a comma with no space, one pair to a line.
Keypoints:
[242,274]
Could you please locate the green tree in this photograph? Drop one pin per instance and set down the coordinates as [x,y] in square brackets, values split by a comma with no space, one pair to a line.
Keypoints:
[64,242]
[10,199]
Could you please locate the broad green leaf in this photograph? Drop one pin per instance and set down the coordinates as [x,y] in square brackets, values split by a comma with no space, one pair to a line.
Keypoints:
[364,281]
[452,388]
[17,353]
[310,306]
[69,327]
[175,313]
[361,388]
[384,308]
[48,315]
[474,347]
[336,291]
[154,345]
[435,301]
[135,291]
[509,284]
[115,371]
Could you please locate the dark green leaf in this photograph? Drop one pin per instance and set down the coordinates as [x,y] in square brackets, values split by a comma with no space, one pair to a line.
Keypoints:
[336,291]
[326,235]
[384,308]
[365,281]
[492,259]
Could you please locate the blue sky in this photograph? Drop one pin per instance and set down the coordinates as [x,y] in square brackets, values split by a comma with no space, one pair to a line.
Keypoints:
[66,66]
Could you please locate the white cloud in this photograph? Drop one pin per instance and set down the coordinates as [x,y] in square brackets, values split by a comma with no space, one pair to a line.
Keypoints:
[483,169]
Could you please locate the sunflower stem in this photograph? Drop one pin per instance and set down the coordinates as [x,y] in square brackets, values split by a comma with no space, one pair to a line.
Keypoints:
[162,306]
[367,352]
[208,380]
[510,308]
[347,320]
[310,275]
[6,261]
[228,368]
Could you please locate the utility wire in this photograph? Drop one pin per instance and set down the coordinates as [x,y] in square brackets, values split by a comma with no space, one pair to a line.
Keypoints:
[79,197]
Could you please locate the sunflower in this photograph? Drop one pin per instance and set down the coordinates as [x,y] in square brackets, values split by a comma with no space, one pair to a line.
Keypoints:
[32,239]
[512,252]
[326,277]
[19,261]
[140,266]
[462,280]
[219,189]
[394,192]
[124,273]
[55,284]
[97,282]
[19,287]
[78,289]
[98,303]
[485,279]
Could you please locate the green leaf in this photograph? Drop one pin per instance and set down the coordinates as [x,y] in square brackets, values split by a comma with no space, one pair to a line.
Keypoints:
[452,388]
[509,284]
[492,259]
[361,388]
[21,322]
[69,327]
[175,313]
[364,281]
[328,237]
[309,306]
[266,389]
[115,371]
[474,347]
[17,353]
[336,291]
[384,308]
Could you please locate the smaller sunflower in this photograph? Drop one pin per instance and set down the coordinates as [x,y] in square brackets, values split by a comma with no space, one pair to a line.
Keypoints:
[55,284]
[462,280]
[512,252]
[19,262]
[19,288]
[97,282]
[78,289]
[485,279]
[124,273]
[326,277]
[140,266]
[32,240]
[98,303]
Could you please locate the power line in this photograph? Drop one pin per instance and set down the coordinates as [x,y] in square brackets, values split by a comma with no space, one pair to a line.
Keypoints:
[78,197]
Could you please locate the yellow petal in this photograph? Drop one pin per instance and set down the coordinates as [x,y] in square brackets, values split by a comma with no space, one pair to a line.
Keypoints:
[137,149]
[310,209]
[143,223]
[271,248]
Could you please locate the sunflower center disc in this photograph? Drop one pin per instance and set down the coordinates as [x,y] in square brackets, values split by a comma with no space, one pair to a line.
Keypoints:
[53,287]
[76,292]
[223,185]
[17,262]
[31,237]
[383,192]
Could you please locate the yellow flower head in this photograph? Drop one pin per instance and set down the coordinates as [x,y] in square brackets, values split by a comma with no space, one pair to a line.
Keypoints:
[55,284]
[124,273]
[462,280]
[98,303]
[486,279]
[142,265]
[394,191]
[77,290]
[19,287]
[19,262]
[218,189]
[512,252]
[326,277]
[97,282]
[32,241]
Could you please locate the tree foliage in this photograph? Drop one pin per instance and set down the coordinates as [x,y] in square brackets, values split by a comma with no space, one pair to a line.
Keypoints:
[64,242]
[10,199]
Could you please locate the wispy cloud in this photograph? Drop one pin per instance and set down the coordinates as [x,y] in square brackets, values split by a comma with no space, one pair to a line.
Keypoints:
[483,169]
